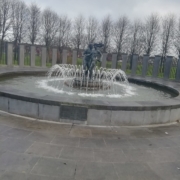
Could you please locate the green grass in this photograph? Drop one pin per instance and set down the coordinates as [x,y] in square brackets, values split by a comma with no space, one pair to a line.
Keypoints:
[27,61]
[3,59]
[79,61]
[108,65]
[128,70]
[119,65]
[150,70]
[173,73]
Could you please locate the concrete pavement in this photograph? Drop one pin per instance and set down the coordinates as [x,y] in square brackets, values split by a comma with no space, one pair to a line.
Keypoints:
[34,150]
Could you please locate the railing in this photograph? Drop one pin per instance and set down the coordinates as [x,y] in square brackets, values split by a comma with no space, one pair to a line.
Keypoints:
[31,55]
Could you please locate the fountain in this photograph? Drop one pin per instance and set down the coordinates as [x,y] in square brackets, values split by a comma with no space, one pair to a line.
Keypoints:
[87,79]
[102,81]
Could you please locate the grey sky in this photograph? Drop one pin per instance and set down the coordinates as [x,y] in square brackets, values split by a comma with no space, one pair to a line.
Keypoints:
[99,8]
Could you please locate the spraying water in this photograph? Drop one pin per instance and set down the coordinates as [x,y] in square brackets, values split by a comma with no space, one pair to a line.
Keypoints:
[103,82]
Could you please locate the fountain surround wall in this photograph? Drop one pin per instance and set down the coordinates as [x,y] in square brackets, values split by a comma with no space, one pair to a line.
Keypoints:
[91,112]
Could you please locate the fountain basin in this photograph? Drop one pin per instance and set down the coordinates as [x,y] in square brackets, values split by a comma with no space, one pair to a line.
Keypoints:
[91,111]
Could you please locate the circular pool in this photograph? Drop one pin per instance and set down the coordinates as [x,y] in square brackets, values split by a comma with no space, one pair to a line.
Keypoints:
[41,85]
[28,92]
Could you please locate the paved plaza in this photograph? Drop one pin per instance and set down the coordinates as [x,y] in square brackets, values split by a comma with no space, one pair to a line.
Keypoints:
[34,150]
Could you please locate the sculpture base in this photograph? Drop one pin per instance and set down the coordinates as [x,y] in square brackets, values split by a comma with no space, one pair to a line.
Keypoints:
[85,83]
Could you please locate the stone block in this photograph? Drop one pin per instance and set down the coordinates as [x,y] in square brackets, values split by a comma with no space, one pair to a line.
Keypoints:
[168,63]
[163,116]
[127,118]
[150,117]
[64,60]
[157,117]
[134,64]
[120,118]
[33,56]
[124,62]
[174,115]
[54,56]
[145,65]
[21,55]
[74,61]
[43,58]
[99,117]
[104,60]
[9,57]
[156,65]
[114,61]
[49,112]
[23,108]
[178,71]
[4,103]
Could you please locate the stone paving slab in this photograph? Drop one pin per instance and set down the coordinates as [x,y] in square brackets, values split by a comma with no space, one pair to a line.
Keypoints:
[4,128]
[55,167]
[67,141]
[10,175]
[113,156]
[92,143]
[15,145]
[135,171]
[17,162]
[40,137]
[86,171]
[167,171]
[43,149]
[16,133]
[79,154]
[67,152]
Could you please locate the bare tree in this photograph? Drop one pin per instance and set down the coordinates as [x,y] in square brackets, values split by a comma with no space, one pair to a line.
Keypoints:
[64,32]
[135,39]
[19,20]
[78,32]
[106,32]
[120,33]
[151,33]
[5,20]
[167,36]
[19,23]
[177,38]
[5,17]
[49,26]
[33,23]
[91,30]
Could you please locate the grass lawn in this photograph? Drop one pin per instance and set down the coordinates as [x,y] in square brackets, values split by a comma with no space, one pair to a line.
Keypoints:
[108,65]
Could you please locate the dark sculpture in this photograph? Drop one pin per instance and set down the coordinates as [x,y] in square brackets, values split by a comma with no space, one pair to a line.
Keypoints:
[87,58]
[91,56]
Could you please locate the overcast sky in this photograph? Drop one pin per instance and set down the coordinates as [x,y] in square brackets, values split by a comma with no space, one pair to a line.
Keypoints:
[100,8]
